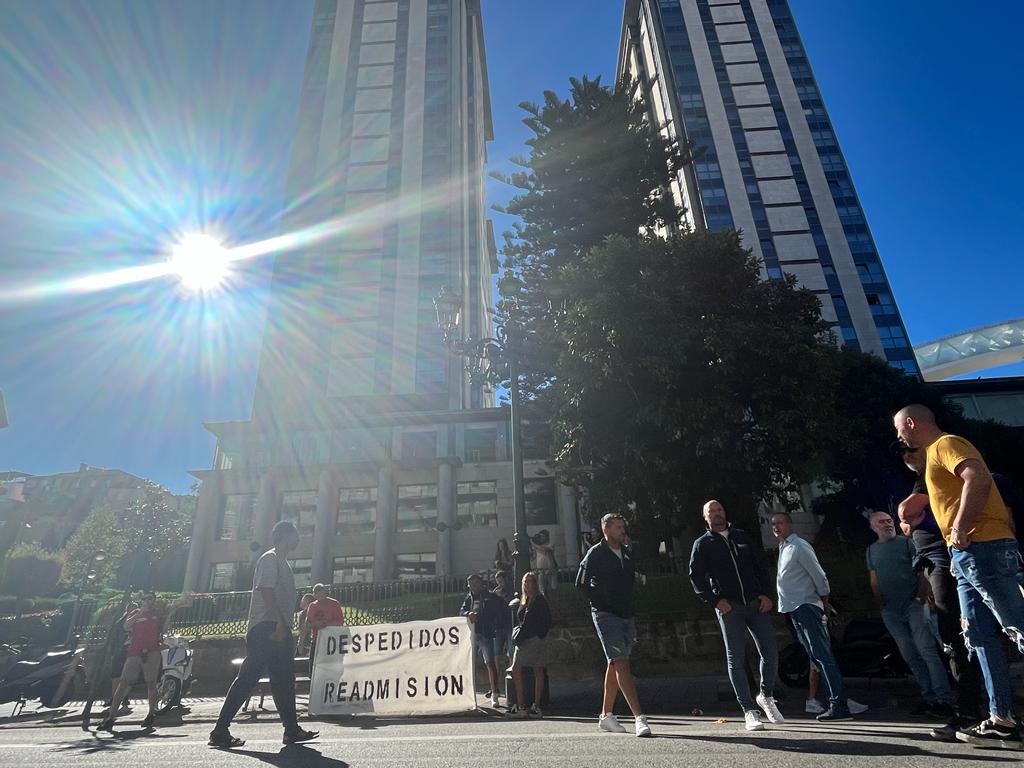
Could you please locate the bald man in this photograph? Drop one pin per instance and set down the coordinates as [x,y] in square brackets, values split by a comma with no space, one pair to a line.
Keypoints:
[975,524]
[728,572]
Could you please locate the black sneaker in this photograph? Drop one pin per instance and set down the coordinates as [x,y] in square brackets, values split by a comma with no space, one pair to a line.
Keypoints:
[834,715]
[294,736]
[224,740]
[989,734]
[148,722]
[948,731]
[106,725]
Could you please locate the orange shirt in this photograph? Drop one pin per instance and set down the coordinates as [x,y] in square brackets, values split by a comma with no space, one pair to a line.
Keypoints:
[944,455]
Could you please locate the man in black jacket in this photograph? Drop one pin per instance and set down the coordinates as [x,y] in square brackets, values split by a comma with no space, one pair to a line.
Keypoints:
[485,612]
[728,572]
[606,577]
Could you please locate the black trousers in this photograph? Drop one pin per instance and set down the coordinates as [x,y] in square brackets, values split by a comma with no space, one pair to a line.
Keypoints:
[263,654]
[972,700]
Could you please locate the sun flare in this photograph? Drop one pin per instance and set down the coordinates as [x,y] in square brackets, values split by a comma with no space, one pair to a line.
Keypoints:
[200,262]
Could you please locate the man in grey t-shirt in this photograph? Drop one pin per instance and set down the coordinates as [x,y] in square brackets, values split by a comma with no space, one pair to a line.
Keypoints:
[268,642]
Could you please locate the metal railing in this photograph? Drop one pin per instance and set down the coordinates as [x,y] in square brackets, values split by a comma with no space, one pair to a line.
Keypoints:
[225,614]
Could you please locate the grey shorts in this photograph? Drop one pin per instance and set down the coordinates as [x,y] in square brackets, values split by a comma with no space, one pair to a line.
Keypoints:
[616,634]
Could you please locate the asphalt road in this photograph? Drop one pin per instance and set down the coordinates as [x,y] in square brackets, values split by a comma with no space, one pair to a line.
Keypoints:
[494,741]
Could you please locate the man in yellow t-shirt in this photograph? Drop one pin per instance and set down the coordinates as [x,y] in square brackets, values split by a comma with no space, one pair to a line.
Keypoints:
[985,560]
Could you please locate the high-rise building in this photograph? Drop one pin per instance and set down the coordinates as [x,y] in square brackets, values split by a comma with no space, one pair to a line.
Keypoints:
[733,78]
[390,152]
[365,431]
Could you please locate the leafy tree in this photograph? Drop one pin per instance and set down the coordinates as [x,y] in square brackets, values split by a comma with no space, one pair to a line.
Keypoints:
[99,531]
[683,375]
[675,372]
[146,531]
[31,571]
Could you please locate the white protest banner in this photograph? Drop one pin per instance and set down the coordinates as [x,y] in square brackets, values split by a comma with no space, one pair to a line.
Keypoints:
[415,668]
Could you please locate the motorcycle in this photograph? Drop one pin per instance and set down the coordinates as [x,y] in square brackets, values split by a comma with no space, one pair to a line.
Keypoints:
[54,679]
[865,650]
[175,674]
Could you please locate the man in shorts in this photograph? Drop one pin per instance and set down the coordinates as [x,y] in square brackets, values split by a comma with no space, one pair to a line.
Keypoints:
[143,657]
[484,610]
[606,576]
[503,631]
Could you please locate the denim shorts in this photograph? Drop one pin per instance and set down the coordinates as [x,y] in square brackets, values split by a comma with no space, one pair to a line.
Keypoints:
[616,634]
[486,646]
[503,643]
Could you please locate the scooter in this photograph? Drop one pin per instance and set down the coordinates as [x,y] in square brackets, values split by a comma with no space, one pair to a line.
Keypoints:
[54,679]
[175,674]
[866,650]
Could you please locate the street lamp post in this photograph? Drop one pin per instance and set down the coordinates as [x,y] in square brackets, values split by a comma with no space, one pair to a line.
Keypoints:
[487,358]
[97,558]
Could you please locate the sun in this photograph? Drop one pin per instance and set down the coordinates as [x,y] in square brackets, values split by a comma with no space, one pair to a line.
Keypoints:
[200,262]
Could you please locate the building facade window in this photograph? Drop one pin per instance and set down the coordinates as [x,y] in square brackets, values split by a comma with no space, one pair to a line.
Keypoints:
[481,444]
[417,508]
[357,511]
[224,576]
[477,504]
[416,565]
[303,571]
[357,569]
[300,508]
[237,514]
[419,444]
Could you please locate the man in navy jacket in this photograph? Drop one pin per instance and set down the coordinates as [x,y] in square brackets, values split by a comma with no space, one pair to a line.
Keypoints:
[728,571]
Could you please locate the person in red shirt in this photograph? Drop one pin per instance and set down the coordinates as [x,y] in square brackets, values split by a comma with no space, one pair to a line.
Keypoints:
[143,656]
[324,611]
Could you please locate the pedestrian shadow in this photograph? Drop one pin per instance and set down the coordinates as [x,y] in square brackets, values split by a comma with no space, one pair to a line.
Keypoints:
[34,714]
[118,742]
[293,756]
[842,747]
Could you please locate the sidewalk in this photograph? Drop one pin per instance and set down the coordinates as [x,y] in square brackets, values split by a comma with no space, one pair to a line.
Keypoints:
[708,695]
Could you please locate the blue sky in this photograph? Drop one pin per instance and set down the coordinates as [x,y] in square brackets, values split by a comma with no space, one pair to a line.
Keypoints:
[126,124]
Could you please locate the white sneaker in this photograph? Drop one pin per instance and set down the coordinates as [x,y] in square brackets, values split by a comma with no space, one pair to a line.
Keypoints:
[813,707]
[642,728]
[752,720]
[855,707]
[610,724]
[771,709]
[494,701]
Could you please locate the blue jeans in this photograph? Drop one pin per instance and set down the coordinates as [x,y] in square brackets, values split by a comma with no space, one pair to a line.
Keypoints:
[814,637]
[735,625]
[917,640]
[988,582]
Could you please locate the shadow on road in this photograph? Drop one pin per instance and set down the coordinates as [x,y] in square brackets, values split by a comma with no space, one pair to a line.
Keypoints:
[118,742]
[843,747]
[293,756]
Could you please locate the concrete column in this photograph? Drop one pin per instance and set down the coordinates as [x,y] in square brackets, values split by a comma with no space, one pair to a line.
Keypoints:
[266,510]
[203,532]
[570,523]
[446,503]
[323,535]
[387,514]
